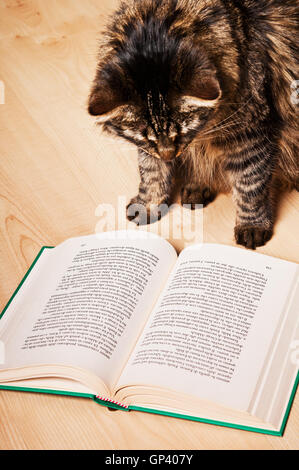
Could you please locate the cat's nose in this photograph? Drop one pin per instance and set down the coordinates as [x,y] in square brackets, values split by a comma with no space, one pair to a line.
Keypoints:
[166,151]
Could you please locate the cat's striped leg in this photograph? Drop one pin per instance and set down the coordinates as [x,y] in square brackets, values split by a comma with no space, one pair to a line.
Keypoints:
[197,172]
[254,224]
[155,188]
[251,172]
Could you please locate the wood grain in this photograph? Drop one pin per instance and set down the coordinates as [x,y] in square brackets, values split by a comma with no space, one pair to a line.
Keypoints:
[55,170]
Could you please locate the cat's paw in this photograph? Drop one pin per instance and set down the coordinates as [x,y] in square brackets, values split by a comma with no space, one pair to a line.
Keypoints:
[136,212]
[142,214]
[131,211]
[193,195]
[252,236]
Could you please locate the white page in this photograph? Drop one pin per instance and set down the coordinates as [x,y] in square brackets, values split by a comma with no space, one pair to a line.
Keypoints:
[74,310]
[216,317]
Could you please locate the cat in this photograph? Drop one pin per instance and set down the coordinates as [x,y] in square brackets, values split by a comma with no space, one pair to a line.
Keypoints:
[203,88]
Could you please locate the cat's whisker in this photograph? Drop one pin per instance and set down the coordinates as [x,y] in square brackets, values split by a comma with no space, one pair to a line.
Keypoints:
[237,111]
[218,127]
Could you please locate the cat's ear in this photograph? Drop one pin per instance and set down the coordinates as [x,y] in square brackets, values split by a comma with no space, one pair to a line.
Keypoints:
[103,101]
[203,92]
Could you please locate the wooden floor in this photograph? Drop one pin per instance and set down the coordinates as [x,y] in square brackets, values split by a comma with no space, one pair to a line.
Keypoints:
[55,170]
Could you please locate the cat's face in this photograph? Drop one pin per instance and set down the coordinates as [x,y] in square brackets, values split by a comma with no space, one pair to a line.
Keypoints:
[161,127]
[154,87]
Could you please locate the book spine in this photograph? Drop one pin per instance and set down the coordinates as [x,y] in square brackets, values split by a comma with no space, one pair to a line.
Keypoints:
[112,401]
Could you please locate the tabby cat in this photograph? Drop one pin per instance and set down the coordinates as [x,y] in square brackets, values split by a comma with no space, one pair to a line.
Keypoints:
[203,88]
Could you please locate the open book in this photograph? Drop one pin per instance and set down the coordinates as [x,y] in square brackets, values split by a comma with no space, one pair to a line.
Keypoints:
[206,335]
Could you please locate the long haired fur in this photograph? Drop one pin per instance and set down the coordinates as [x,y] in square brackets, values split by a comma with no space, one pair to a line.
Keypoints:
[204,86]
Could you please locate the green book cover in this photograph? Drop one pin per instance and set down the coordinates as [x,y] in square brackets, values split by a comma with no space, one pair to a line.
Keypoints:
[118,406]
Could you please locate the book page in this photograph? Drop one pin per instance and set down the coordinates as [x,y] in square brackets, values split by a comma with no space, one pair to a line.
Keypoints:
[86,305]
[211,329]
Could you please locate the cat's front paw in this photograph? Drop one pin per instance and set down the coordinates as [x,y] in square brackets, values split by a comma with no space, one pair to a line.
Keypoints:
[193,195]
[252,236]
[144,214]
[131,209]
